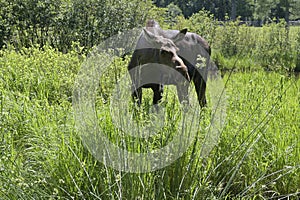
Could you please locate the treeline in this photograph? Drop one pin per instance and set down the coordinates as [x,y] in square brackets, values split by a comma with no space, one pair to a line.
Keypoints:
[59,23]
[260,10]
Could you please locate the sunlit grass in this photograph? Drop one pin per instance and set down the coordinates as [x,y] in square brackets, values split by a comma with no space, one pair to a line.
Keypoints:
[43,157]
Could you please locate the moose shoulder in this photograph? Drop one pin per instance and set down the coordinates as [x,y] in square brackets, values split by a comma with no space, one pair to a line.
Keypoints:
[171,57]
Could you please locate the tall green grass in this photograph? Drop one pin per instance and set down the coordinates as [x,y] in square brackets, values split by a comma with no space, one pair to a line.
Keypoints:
[42,156]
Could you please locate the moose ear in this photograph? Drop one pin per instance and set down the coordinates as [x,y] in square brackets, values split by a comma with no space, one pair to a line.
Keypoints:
[184,31]
[148,35]
[180,35]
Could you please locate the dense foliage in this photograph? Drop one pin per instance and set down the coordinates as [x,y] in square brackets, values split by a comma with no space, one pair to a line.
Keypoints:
[61,22]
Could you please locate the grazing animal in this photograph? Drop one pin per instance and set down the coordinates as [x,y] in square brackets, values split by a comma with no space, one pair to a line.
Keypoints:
[164,57]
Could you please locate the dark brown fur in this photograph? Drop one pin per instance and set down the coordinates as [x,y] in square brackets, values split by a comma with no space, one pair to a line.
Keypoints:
[190,45]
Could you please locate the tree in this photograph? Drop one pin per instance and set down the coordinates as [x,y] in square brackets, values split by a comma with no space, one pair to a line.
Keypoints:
[265,9]
[295,10]
[233,9]
[5,22]
[173,11]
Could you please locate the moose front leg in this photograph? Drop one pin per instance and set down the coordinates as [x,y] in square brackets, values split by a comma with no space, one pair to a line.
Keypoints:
[137,95]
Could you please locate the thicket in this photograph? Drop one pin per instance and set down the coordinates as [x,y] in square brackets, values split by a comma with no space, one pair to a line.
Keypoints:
[58,23]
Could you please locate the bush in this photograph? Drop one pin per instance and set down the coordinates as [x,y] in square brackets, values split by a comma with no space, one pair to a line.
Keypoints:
[59,23]
[272,47]
[203,24]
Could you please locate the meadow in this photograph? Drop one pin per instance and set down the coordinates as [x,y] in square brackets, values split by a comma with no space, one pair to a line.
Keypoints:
[43,157]
[43,47]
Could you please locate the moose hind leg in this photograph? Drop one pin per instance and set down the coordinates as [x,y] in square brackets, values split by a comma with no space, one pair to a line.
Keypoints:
[200,86]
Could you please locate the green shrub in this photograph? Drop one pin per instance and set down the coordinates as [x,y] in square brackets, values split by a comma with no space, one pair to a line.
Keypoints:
[274,47]
[59,23]
[228,41]
[202,23]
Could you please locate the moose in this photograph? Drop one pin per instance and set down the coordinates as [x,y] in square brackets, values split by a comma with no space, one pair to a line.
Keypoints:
[168,57]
